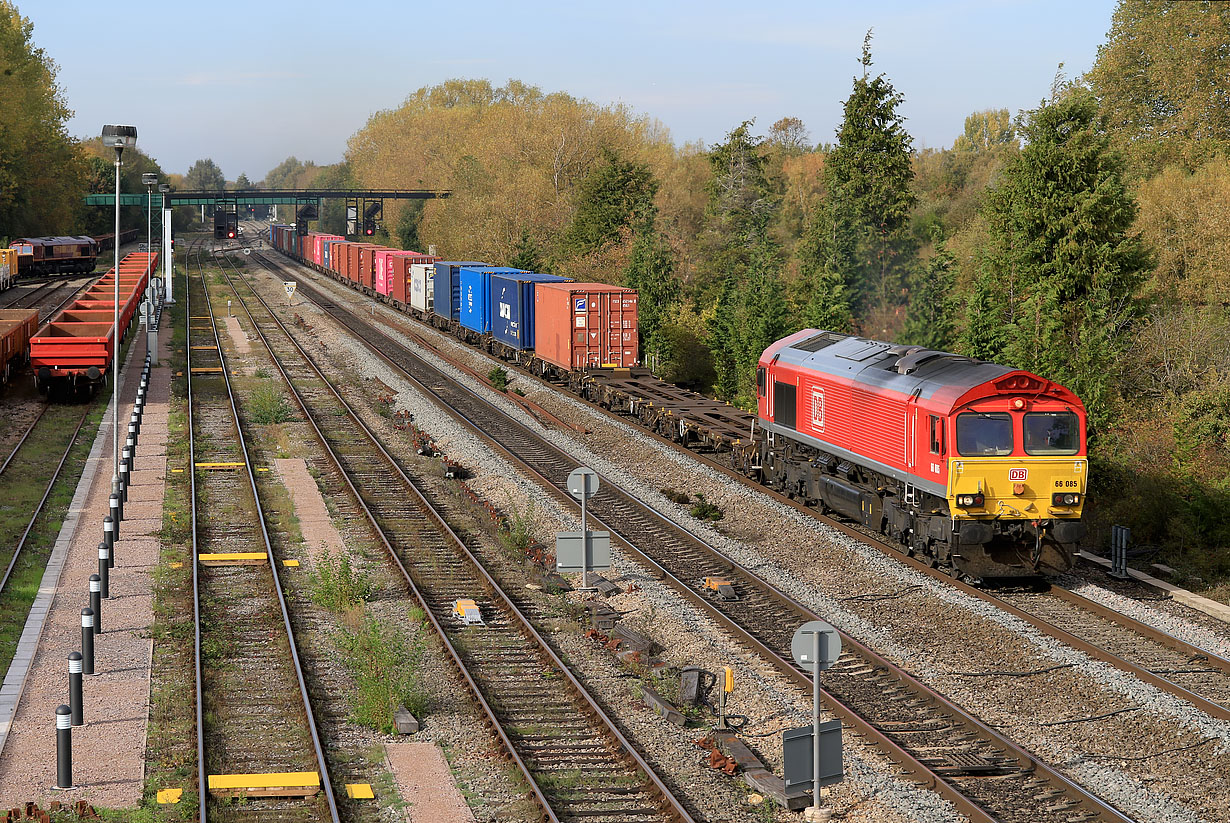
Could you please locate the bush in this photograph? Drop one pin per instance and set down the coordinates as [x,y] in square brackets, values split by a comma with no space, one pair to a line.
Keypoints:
[267,404]
[704,510]
[498,378]
[681,498]
[517,533]
[337,585]
[386,672]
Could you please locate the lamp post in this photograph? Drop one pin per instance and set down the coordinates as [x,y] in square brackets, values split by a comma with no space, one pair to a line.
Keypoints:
[168,250]
[149,180]
[118,138]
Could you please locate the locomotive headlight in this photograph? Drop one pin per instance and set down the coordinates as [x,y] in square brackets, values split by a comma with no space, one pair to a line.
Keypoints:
[970,501]
[1065,499]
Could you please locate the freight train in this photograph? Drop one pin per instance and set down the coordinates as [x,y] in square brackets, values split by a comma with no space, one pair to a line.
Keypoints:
[55,255]
[73,351]
[978,468]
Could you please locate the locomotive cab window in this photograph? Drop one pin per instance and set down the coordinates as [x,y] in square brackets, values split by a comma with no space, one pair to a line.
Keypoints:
[1052,433]
[760,381]
[937,435]
[984,434]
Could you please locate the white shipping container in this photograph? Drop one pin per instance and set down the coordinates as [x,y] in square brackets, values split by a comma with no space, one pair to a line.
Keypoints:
[422,286]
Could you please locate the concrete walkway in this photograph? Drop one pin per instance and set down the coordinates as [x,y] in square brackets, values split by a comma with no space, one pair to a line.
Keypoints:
[109,750]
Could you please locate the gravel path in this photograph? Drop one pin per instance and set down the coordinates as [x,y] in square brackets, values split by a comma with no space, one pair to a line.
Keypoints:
[885,604]
[109,750]
[426,784]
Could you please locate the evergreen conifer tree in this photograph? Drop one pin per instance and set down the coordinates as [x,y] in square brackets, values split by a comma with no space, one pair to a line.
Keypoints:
[869,177]
[1063,250]
[931,321]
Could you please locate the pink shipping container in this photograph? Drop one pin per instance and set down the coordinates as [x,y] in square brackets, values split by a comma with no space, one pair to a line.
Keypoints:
[318,249]
[585,325]
[384,269]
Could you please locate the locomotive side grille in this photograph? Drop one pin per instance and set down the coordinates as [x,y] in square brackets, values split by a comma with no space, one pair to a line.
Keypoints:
[784,395]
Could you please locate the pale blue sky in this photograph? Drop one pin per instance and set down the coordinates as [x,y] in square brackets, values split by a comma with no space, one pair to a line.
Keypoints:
[249,84]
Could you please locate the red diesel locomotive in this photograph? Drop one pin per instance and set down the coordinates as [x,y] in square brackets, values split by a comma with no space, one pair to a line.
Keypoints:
[976,466]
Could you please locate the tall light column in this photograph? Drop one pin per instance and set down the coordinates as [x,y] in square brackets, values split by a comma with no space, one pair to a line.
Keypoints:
[168,250]
[119,138]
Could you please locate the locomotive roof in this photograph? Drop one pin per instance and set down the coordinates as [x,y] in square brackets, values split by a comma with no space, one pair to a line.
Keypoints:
[53,241]
[940,377]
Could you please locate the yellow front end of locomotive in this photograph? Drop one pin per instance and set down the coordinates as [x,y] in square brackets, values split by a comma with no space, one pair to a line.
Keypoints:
[1017,488]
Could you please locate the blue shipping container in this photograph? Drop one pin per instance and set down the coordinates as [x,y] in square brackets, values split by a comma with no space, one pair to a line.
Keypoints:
[476,295]
[326,252]
[512,307]
[446,288]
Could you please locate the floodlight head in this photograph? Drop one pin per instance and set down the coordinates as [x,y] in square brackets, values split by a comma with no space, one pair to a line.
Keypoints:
[149,179]
[119,137]
[164,187]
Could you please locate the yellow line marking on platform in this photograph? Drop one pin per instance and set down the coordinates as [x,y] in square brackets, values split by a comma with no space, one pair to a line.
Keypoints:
[360,791]
[166,796]
[233,559]
[290,563]
[284,784]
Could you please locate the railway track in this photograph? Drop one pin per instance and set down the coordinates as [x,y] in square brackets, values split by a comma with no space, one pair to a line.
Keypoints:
[986,775]
[577,763]
[1119,640]
[254,719]
[44,294]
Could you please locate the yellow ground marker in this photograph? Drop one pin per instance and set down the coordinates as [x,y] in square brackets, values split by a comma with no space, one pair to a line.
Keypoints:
[284,784]
[177,565]
[204,348]
[360,791]
[177,471]
[233,559]
[290,563]
[218,465]
[207,370]
[262,469]
[172,796]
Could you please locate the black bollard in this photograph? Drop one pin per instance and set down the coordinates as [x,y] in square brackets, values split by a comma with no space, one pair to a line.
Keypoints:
[132,430]
[74,687]
[104,571]
[109,539]
[87,641]
[64,747]
[124,480]
[116,505]
[129,456]
[96,595]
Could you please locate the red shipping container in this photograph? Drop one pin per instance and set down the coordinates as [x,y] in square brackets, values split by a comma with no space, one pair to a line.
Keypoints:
[398,275]
[367,264]
[352,262]
[337,258]
[585,325]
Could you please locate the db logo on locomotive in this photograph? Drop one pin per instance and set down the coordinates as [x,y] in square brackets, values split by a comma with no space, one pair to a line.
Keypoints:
[1018,475]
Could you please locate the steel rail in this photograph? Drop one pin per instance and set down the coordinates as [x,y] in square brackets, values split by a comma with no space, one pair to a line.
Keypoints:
[202,793]
[20,442]
[55,475]
[676,807]
[922,773]
[318,749]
